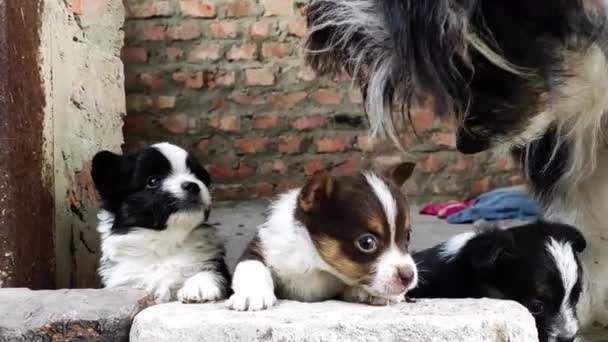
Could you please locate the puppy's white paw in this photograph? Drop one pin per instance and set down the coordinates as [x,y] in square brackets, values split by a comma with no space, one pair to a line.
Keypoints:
[200,288]
[252,300]
[253,287]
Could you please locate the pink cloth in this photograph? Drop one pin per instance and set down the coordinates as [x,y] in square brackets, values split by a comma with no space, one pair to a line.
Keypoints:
[445,209]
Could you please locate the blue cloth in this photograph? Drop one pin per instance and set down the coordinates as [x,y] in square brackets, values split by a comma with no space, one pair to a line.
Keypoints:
[513,203]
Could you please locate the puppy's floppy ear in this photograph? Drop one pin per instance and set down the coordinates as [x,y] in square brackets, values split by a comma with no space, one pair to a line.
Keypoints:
[485,249]
[400,173]
[317,189]
[106,172]
[571,235]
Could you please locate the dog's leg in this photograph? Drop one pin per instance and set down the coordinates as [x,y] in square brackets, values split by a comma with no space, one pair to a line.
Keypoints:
[253,287]
[208,285]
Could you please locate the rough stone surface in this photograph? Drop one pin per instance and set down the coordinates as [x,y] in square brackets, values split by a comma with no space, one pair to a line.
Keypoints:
[68,315]
[85,101]
[427,321]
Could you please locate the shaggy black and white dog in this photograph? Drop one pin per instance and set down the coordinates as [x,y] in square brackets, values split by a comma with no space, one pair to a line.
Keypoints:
[526,75]
[152,224]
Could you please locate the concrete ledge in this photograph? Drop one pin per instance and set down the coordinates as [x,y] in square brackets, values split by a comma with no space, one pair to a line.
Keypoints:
[426,321]
[69,315]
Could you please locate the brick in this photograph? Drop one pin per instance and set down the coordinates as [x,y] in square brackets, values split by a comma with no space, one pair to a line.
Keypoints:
[309,122]
[134,55]
[444,139]
[228,192]
[270,167]
[312,166]
[151,80]
[77,7]
[286,101]
[407,139]
[230,123]
[422,120]
[290,144]
[480,186]
[203,146]
[275,50]
[263,190]
[190,79]
[138,103]
[278,7]
[225,171]
[364,144]
[348,166]
[307,74]
[174,54]
[218,79]
[505,164]
[238,9]
[286,185]
[198,8]
[175,123]
[225,29]
[218,102]
[252,145]
[266,122]
[134,124]
[244,99]
[242,52]
[430,165]
[517,180]
[148,9]
[335,144]
[259,77]
[184,31]
[327,97]
[464,163]
[342,77]
[165,102]
[206,51]
[258,30]
[154,32]
[297,27]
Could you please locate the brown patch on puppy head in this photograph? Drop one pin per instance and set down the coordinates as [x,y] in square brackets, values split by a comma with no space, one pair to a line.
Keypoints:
[331,251]
[338,211]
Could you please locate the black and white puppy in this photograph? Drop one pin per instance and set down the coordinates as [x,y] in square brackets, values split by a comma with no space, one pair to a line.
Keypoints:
[152,224]
[536,265]
[344,236]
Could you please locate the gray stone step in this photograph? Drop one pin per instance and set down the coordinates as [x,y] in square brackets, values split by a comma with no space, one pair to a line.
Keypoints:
[425,321]
[69,315]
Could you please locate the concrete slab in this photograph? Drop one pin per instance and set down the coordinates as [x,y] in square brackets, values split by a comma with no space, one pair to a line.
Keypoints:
[429,321]
[238,222]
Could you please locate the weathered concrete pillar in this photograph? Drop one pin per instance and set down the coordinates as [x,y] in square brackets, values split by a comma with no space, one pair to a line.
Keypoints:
[26,203]
[61,99]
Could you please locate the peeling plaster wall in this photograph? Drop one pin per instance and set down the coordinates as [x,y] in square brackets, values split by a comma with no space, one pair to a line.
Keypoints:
[84,85]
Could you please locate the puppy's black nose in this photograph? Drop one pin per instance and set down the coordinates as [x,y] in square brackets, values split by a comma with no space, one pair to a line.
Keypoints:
[406,275]
[191,188]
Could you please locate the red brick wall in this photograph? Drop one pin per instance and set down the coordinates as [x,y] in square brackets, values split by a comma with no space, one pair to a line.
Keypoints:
[226,78]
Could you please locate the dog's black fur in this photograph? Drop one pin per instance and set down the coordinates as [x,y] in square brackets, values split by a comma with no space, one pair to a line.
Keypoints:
[514,264]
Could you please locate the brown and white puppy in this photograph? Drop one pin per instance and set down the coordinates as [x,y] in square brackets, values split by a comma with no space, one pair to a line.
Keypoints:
[344,236]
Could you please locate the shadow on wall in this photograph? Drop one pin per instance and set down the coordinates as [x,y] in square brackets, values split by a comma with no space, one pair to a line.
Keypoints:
[227,79]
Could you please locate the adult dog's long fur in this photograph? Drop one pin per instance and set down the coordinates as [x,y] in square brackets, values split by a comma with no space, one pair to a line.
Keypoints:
[528,75]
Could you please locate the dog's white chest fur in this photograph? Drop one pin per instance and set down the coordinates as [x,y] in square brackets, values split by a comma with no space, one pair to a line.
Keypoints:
[157,261]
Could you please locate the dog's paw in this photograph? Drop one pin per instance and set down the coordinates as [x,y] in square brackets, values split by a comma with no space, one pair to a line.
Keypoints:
[200,288]
[358,295]
[252,300]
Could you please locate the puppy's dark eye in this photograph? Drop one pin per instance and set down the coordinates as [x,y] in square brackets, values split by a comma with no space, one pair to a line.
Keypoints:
[153,182]
[408,237]
[536,307]
[367,243]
